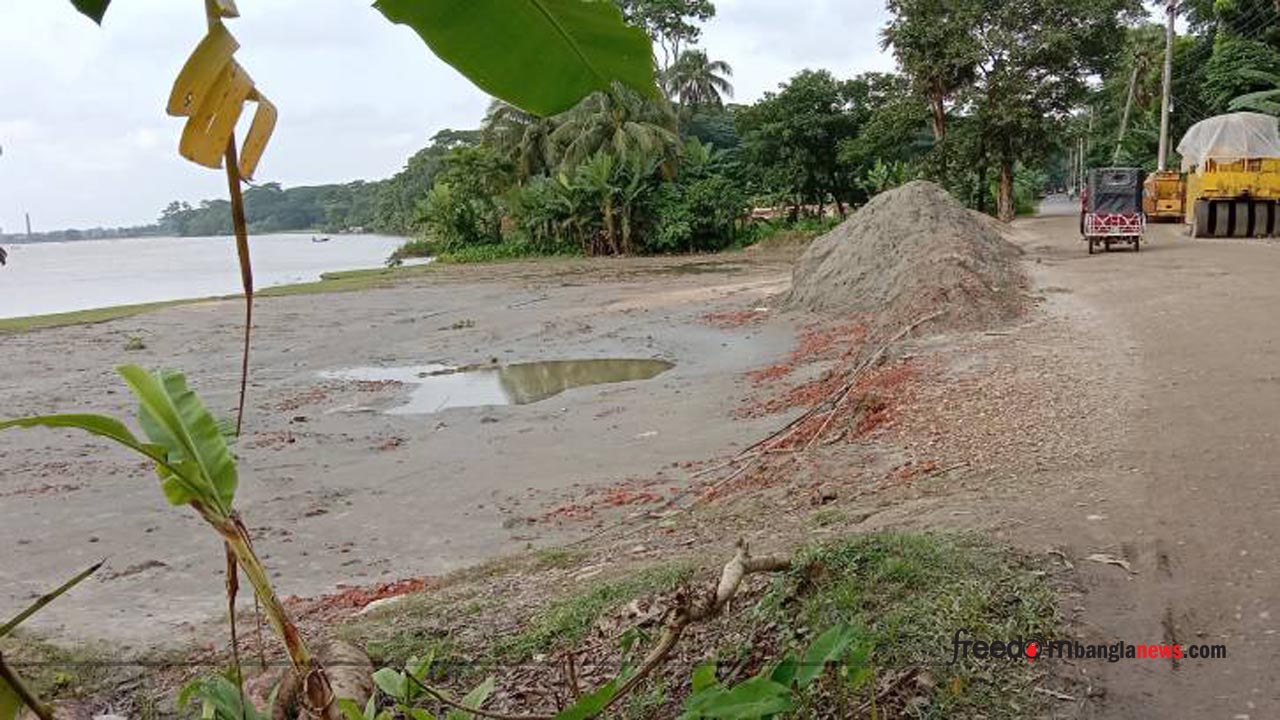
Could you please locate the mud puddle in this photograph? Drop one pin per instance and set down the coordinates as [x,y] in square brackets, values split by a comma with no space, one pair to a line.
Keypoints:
[439,387]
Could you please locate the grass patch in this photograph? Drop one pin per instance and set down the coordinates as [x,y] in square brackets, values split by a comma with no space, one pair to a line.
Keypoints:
[52,672]
[348,281]
[559,557]
[911,592]
[494,252]
[417,248]
[828,517]
[567,621]
[82,317]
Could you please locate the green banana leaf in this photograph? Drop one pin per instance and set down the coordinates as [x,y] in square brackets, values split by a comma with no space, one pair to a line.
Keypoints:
[187,444]
[173,417]
[542,56]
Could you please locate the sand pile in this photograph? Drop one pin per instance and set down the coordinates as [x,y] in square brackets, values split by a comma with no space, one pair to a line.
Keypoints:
[907,254]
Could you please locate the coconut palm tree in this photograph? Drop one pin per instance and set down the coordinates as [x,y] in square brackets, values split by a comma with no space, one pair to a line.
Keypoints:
[694,79]
[521,137]
[619,122]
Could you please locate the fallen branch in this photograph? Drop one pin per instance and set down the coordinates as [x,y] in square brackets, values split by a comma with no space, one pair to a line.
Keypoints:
[689,608]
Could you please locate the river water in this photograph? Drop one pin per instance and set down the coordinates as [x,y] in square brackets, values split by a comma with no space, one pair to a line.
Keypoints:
[57,277]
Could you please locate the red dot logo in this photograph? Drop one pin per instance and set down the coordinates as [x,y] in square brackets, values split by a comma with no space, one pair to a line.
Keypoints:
[1032,651]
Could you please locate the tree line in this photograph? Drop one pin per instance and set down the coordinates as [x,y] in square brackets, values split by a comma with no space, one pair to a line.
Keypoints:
[988,98]
[1228,59]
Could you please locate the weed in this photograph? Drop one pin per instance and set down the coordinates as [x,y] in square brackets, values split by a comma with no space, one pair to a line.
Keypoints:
[488,253]
[567,621]
[418,248]
[134,344]
[912,592]
[558,557]
[828,517]
[51,671]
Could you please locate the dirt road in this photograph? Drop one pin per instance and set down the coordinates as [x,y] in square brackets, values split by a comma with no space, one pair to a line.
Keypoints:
[1189,495]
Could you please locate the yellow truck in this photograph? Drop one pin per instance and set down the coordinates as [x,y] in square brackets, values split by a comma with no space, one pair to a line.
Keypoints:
[1163,194]
[1232,164]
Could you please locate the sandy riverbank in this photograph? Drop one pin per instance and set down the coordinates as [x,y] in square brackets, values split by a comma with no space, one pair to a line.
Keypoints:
[337,490]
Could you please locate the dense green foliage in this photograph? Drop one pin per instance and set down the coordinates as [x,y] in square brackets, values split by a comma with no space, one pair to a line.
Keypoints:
[1231,52]
[989,100]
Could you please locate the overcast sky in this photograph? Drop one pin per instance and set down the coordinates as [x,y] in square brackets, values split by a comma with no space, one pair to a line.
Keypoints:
[86,142]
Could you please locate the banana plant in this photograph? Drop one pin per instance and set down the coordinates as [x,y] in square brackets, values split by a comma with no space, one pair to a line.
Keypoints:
[196,469]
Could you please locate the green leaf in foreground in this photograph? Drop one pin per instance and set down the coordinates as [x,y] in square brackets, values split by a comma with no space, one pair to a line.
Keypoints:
[93,9]
[590,704]
[10,703]
[754,698]
[220,699]
[828,648]
[542,56]
[474,699]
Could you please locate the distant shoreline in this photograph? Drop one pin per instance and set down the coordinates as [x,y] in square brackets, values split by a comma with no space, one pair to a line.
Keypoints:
[330,282]
[40,238]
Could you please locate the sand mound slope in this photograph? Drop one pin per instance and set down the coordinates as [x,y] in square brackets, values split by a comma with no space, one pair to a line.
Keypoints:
[907,254]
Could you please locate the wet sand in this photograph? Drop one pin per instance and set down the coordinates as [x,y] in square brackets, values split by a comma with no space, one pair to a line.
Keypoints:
[336,486]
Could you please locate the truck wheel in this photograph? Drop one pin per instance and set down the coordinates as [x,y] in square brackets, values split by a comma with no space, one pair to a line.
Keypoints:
[1219,219]
[1240,219]
[1106,245]
[1202,227]
[1264,219]
[1090,244]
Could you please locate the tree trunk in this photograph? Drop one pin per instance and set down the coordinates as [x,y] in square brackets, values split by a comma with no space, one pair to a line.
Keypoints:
[610,231]
[1005,208]
[938,110]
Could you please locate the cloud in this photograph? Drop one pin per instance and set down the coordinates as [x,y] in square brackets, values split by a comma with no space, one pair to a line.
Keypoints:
[86,141]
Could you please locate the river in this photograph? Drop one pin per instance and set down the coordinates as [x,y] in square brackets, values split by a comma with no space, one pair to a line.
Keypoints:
[55,277]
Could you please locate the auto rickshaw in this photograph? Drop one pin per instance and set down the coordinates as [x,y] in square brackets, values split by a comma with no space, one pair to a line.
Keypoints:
[1111,208]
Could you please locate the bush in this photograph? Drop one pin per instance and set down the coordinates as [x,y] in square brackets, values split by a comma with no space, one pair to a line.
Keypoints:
[699,214]
[507,250]
[418,248]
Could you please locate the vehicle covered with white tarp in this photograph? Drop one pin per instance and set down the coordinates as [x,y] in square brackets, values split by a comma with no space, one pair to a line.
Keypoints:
[1233,176]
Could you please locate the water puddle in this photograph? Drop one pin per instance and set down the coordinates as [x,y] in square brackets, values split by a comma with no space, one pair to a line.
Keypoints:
[439,387]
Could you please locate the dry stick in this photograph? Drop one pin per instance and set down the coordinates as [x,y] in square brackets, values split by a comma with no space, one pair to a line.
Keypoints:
[731,578]
[574,691]
[233,589]
[246,269]
[863,367]
[10,678]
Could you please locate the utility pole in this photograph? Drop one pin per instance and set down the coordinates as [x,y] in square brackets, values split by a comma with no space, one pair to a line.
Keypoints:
[28,224]
[1071,170]
[1128,108]
[1166,96]
[1080,152]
